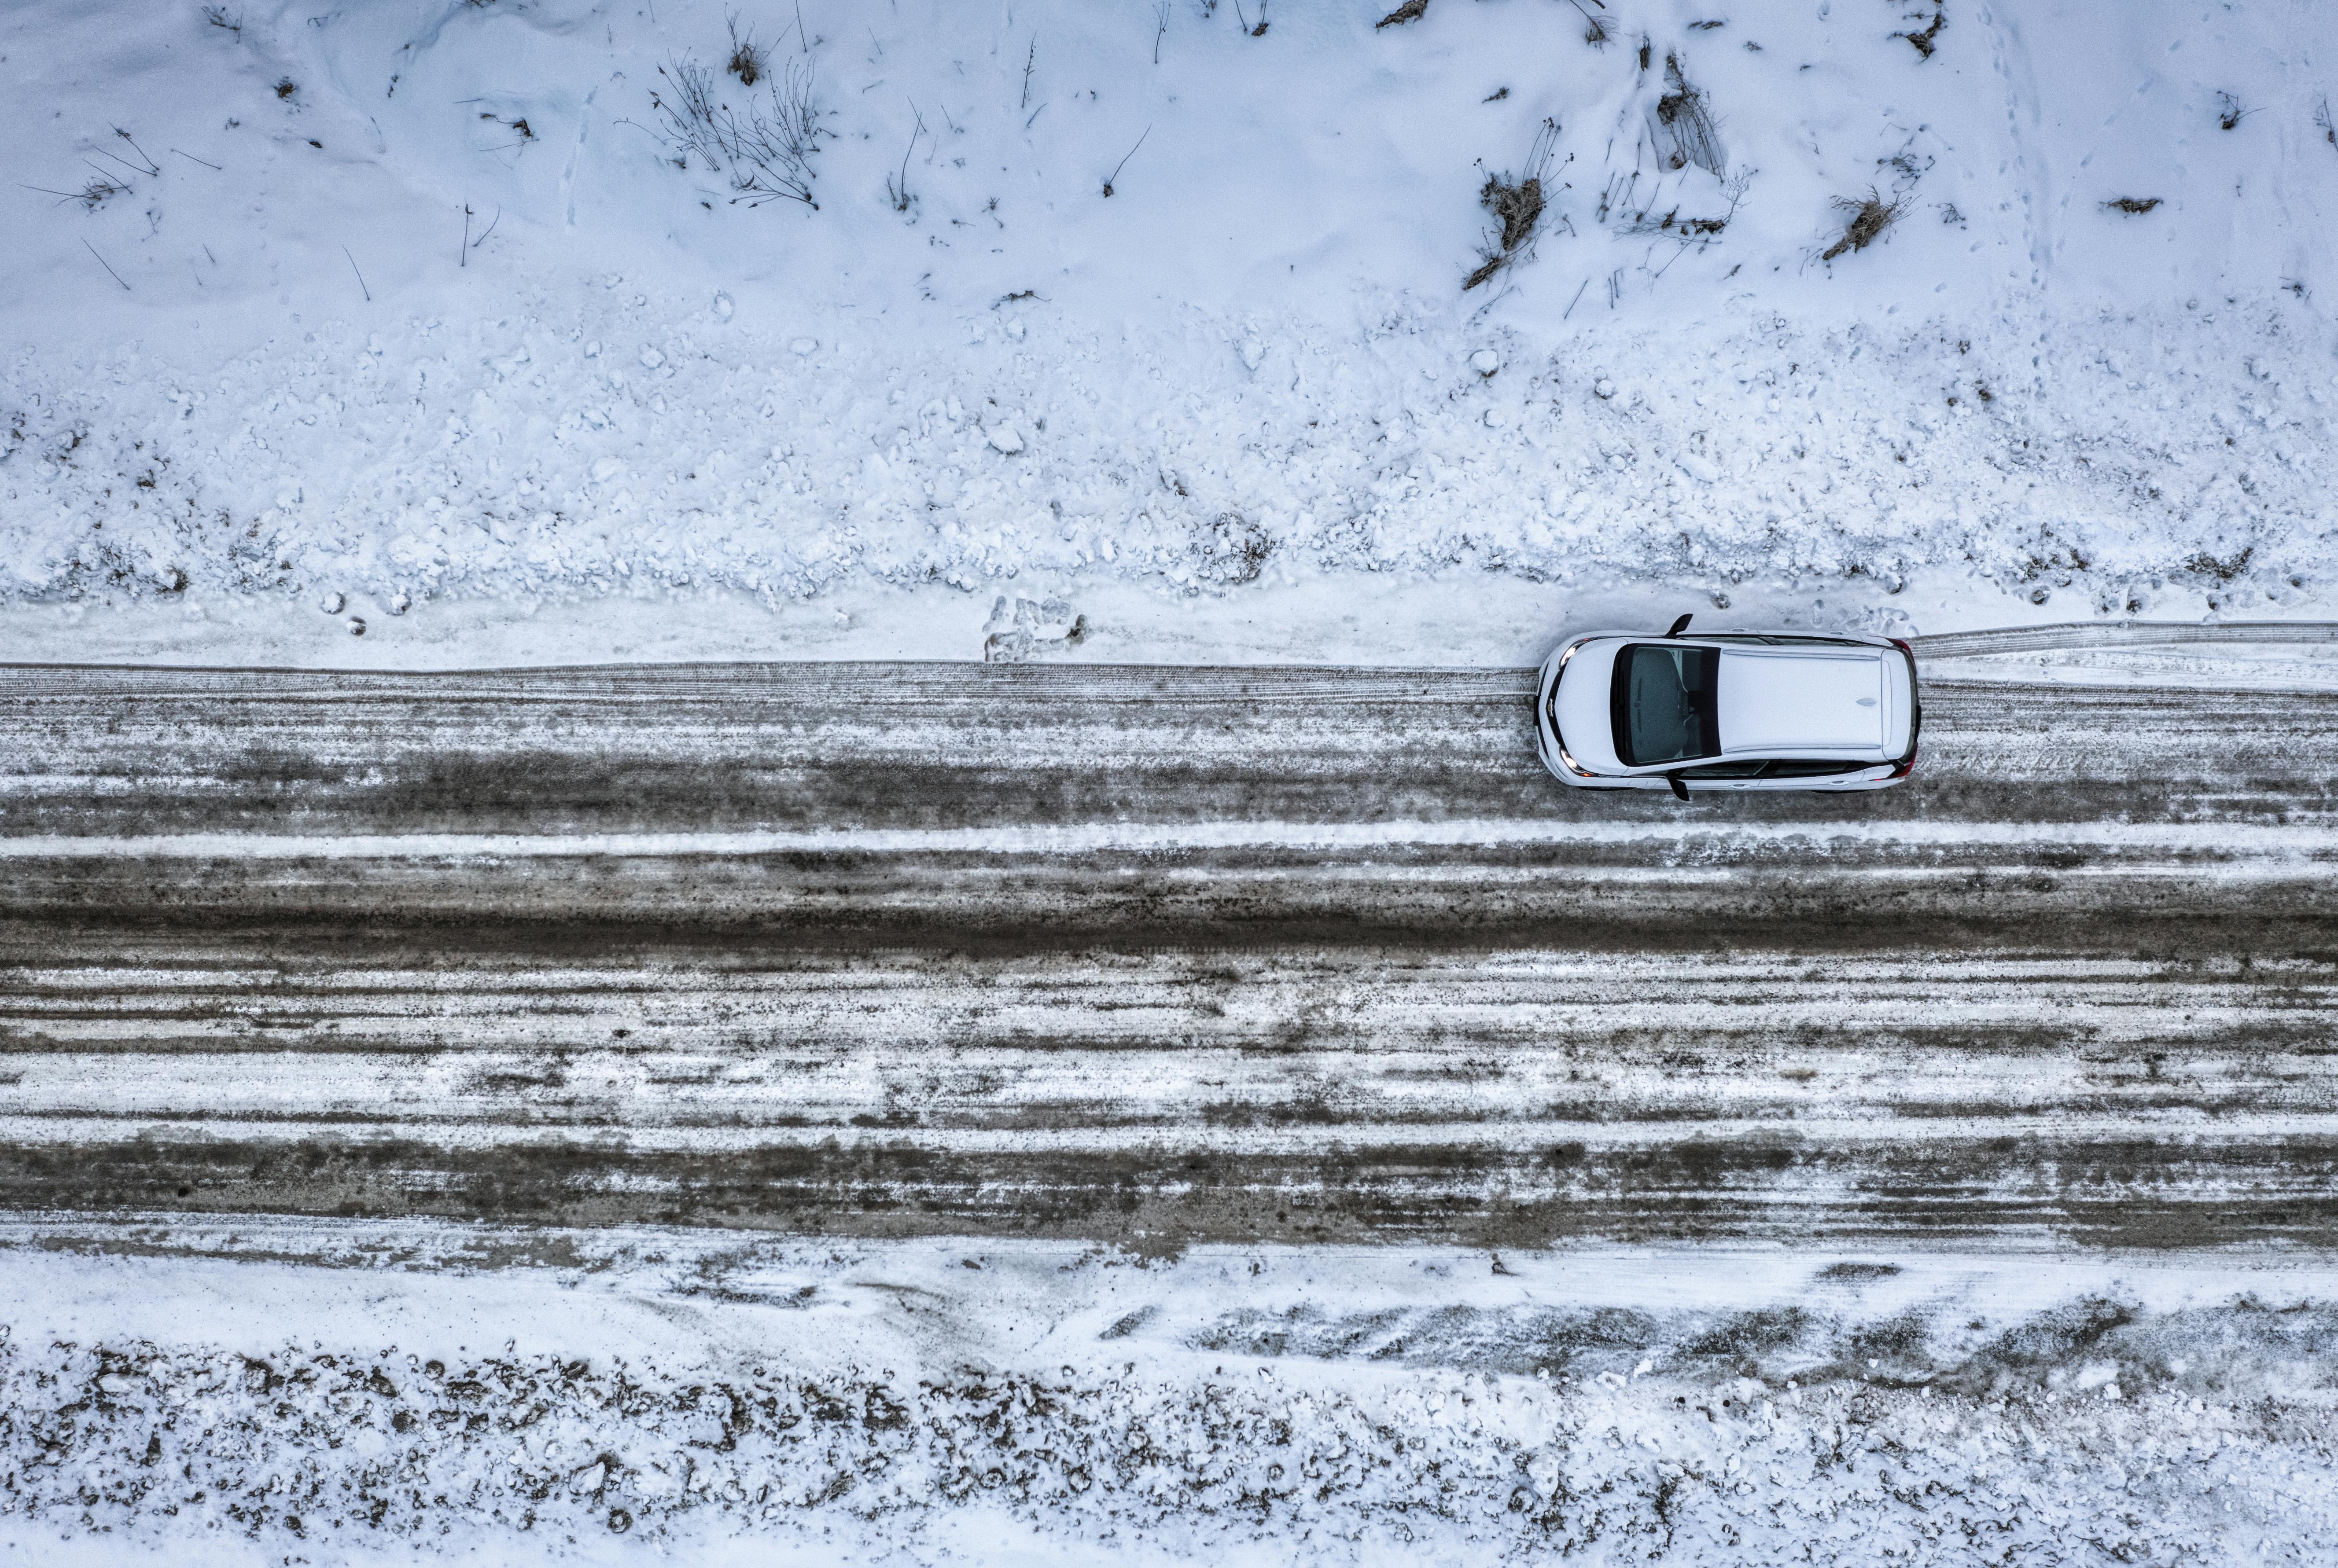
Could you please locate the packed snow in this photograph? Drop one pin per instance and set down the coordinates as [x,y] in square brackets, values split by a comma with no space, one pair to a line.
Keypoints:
[430,311]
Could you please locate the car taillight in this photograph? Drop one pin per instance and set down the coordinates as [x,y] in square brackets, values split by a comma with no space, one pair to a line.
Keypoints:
[1907,763]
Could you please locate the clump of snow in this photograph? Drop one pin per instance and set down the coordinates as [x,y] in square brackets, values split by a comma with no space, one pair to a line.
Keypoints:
[352,334]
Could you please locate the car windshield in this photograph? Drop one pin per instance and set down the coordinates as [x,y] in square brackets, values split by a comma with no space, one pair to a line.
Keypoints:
[1662,704]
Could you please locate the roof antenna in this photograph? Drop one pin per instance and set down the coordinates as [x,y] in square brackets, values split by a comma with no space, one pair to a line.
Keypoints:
[1681,625]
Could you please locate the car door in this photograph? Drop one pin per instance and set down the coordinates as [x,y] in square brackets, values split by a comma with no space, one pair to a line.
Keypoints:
[1809,773]
[1710,776]
[1775,773]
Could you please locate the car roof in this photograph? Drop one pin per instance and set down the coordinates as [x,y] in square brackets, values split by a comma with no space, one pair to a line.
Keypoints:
[1795,699]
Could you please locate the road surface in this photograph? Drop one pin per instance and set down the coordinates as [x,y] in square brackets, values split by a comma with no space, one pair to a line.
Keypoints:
[1153,957]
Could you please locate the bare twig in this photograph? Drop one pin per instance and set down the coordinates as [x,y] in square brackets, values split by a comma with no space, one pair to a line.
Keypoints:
[151,168]
[900,194]
[91,196]
[491,228]
[802,37]
[463,256]
[107,265]
[1123,162]
[126,163]
[1161,27]
[192,159]
[353,267]
[2322,118]
[1029,60]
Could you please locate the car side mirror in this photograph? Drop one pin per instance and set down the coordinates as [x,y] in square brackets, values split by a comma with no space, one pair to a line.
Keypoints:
[1681,625]
[1679,789]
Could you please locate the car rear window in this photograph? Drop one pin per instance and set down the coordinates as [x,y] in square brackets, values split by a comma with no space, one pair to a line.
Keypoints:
[1662,704]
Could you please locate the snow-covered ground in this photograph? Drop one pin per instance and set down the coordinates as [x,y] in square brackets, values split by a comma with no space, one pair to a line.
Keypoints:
[1240,408]
[399,334]
[306,1393]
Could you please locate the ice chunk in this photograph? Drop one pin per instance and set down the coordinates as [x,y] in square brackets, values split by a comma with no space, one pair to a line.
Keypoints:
[722,307]
[1005,438]
[1485,362]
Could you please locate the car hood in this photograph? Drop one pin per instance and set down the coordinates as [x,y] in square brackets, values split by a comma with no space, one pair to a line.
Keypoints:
[1798,702]
[1580,709]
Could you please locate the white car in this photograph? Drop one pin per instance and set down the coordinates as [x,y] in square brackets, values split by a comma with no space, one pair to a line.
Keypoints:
[1728,710]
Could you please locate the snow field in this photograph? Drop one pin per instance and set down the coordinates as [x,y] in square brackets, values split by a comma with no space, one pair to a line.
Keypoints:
[1249,370]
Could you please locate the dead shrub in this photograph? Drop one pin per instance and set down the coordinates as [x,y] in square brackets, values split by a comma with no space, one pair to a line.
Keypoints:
[1868,219]
[765,151]
[1410,11]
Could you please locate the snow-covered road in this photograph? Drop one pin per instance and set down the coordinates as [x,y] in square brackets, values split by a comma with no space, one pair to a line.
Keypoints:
[1154,956]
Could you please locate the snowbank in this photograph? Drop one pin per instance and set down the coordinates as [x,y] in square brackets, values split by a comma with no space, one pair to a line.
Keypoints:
[282,360]
[547,1395]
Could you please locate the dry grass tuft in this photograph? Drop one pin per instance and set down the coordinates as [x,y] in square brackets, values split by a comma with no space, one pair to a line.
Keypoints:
[746,62]
[1926,41]
[1684,120]
[2133,204]
[1869,219]
[1517,202]
[1410,11]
